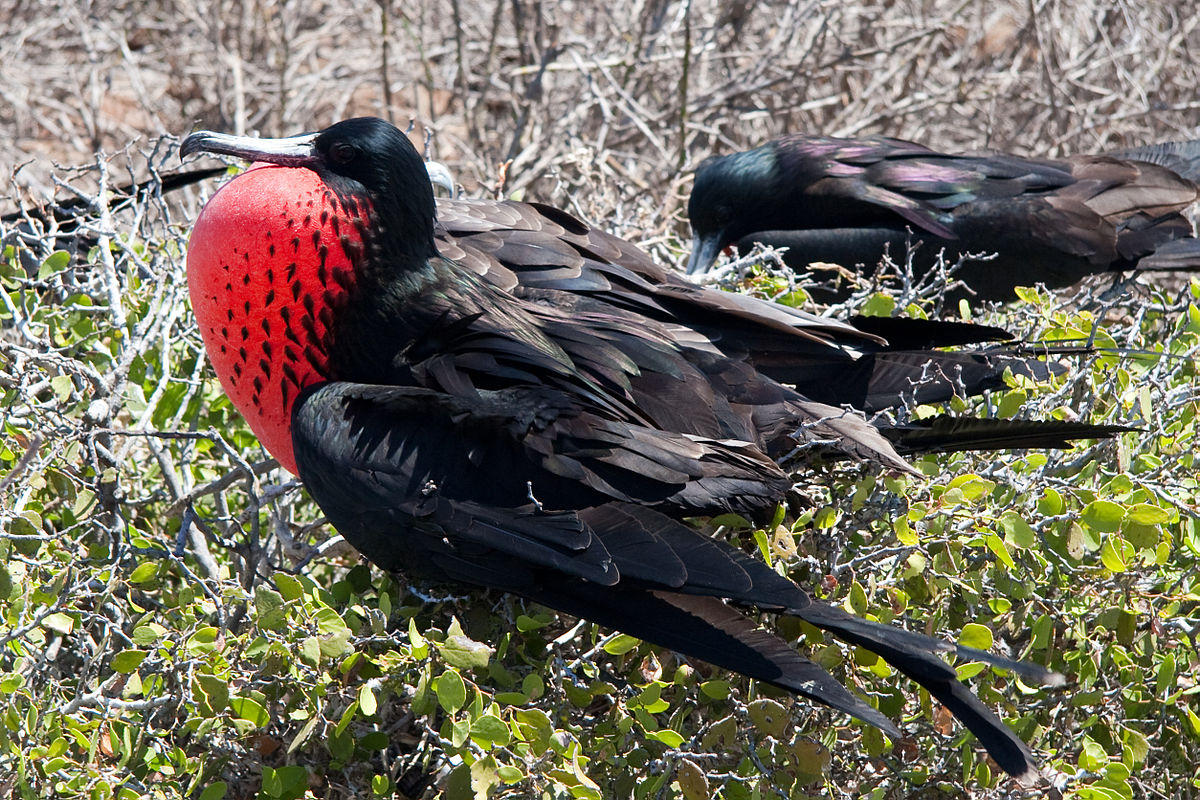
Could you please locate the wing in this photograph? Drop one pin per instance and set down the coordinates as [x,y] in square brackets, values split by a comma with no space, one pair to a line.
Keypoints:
[379,462]
[547,256]
[496,447]
[864,181]
[541,252]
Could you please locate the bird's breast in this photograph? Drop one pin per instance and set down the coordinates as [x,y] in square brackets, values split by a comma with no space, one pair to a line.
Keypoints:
[270,271]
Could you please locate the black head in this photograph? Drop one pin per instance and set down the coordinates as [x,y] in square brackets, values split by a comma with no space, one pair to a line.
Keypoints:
[363,159]
[730,197]
[367,155]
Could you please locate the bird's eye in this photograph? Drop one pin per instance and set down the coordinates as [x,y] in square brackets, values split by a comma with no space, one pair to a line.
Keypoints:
[343,153]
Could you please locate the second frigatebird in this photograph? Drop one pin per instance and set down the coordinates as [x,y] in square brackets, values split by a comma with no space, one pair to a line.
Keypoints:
[37,231]
[847,201]
[454,430]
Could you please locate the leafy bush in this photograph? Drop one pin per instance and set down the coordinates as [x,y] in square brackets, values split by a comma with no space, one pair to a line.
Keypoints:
[178,621]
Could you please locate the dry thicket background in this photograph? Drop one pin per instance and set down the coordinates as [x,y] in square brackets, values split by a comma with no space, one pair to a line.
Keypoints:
[603,109]
[602,106]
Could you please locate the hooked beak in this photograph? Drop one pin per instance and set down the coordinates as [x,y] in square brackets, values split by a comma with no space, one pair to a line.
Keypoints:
[705,250]
[294,151]
[440,175]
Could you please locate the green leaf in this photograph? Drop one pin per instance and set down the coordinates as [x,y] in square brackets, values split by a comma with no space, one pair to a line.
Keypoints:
[534,726]
[1146,514]
[667,736]
[651,699]
[621,644]
[533,686]
[289,587]
[904,532]
[310,650]
[509,774]
[148,634]
[1017,531]
[60,622]
[249,710]
[1115,554]
[62,386]
[976,636]
[1092,757]
[335,635]
[764,546]
[484,777]
[826,517]
[341,746]
[857,598]
[525,624]
[878,305]
[996,545]
[768,716]
[214,791]
[203,640]
[451,691]
[1103,516]
[304,733]
[490,730]
[693,783]
[144,572]
[416,642]
[1010,403]
[292,781]
[972,487]
[1137,747]
[460,731]
[1164,682]
[461,651]
[366,700]
[128,660]
[55,262]
[1051,503]
[1193,719]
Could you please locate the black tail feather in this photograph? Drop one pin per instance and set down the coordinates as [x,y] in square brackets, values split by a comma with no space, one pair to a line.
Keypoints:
[947,434]
[709,629]
[910,333]
[892,378]
[915,656]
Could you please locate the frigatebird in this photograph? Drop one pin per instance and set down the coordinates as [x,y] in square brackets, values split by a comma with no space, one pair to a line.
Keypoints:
[39,230]
[1052,222]
[461,432]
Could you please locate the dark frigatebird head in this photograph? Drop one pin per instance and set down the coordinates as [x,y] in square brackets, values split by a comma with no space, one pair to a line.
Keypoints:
[279,254]
[732,196]
[365,158]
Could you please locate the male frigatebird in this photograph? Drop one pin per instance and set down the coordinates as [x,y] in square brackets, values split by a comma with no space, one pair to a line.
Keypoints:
[458,431]
[1053,222]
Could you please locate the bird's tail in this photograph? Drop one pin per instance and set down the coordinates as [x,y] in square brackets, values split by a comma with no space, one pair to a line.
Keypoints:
[916,656]
[693,619]
[947,434]
[1182,158]
[708,629]
[1177,255]
[893,378]
[913,333]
